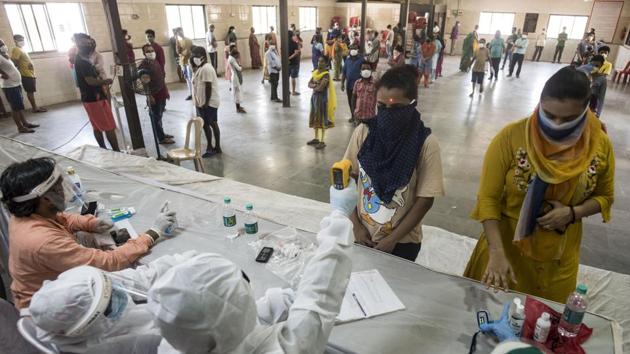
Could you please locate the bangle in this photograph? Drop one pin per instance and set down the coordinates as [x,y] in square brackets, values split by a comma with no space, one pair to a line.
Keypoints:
[572,214]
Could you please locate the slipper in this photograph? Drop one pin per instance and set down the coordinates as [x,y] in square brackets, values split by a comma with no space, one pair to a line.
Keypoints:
[208,154]
[41,110]
[313,142]
[26,130]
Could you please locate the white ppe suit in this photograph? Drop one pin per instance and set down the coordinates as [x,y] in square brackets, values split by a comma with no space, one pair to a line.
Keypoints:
[212,309]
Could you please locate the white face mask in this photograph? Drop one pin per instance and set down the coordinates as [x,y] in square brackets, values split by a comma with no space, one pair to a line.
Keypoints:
[20,44]
[4,49]
[354,52]
[272,47]
[605,55]
[482,45]
[150,56]
[197,61]
[366,74]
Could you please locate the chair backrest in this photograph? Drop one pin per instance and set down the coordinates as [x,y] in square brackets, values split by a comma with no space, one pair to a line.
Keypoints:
[198,122]
[28,330]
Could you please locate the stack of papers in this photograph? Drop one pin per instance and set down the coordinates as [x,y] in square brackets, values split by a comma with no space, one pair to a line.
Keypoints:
[368,295]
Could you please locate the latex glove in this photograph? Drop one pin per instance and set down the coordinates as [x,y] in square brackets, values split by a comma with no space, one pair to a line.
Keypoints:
[102,226]
[501,328]
[344,200]
[163,221]
[274,306]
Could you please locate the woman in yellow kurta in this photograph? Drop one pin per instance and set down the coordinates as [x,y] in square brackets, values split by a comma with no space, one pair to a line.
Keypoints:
[323,103]
[541,176]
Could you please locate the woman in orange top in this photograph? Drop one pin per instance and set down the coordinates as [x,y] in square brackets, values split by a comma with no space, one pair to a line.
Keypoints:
[41,237]
[541,176]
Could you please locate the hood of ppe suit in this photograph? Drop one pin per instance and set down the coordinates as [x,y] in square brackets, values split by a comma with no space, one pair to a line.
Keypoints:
[203,305]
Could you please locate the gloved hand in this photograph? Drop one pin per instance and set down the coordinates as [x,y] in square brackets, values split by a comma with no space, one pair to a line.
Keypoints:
[102,226]
[344,200]
[501,328]
[274,306]
[164,221]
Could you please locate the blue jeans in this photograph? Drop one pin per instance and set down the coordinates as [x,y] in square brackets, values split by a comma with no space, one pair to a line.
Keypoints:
[155,112]
[187,73]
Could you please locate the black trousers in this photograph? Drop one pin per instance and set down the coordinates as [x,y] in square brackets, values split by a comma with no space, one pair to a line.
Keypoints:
[516,59]
[495,66]
[155,112]
[508,54]
[349,93]
[408,251]
[558,53]
[273,80]
[213,60]
[537,53]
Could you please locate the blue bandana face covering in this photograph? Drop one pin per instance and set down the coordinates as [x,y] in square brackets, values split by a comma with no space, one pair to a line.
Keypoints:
[560,132]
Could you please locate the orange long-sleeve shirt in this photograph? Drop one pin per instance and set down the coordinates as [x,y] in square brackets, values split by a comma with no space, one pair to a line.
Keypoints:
[41,248]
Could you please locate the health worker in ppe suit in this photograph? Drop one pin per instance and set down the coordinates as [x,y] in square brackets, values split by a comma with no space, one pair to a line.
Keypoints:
[87,310]
[205,305]
[42,236]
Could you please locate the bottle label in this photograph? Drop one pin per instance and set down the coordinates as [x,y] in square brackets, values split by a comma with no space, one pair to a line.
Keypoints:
[516,324]
[229,221]
[251,228]
[572,317]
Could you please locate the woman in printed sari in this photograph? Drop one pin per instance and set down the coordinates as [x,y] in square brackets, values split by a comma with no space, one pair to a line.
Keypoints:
[323,103]
[541,176]
[471,42]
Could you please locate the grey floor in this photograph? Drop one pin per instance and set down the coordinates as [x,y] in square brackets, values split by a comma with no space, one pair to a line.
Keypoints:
[266,147]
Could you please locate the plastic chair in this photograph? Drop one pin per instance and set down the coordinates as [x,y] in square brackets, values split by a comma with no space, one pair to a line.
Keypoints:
[186,153]
[28,330]
[617,74]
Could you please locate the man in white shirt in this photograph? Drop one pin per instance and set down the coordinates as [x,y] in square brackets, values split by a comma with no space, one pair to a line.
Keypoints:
[211,45]
[206,98]
[520,47]
[11,83]
[274,64]
[389,41]
[540,44]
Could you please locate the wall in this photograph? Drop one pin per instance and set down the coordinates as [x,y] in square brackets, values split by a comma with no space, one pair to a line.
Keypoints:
[378,16]
[55,83]
[472,9]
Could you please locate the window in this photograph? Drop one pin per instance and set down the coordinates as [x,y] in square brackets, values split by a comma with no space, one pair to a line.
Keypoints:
[490,22]
[263,17]
[191,18]
[46,27]
[576,26]
[308,18]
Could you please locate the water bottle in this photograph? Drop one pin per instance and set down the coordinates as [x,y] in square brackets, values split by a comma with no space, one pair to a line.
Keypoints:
[77,186]
[251,222]
[573,312]
[229,216]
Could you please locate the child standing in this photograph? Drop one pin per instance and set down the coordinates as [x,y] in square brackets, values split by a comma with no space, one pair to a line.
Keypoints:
[323,103]
[479,66]
[426,65]
[364,95]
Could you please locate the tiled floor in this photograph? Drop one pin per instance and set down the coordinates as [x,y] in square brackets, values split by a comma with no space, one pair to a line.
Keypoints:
[266,147]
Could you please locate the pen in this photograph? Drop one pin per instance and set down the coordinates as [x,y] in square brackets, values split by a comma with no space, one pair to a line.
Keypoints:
[358,303]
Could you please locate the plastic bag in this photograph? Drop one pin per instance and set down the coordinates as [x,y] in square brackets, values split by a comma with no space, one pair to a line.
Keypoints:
[557,343]
[291,253]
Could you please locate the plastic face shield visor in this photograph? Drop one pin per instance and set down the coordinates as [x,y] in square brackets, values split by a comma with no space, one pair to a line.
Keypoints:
[57,183]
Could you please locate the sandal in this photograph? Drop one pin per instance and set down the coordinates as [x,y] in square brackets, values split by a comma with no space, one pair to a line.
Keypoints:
[208,153]
[168,136]
[26,130]
[313,142]
[167,141]
[320,146]
[29,125]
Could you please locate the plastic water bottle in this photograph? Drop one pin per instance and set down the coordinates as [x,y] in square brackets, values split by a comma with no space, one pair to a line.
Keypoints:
[77,186]
[229,216]
[251,221]
[573,312]
[517,317]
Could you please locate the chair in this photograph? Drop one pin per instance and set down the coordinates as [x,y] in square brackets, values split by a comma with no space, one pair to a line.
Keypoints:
[186,153]
[28,330]
[617,74]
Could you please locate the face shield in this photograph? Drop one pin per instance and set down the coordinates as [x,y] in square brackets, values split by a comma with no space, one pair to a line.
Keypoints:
[83,302]
[58,190]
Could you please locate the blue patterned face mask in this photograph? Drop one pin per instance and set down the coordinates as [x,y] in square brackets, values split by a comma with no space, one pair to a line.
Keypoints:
[118,304]
[563,131]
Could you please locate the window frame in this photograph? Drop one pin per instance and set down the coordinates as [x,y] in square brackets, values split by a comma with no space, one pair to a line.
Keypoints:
[275,25]
[27,34]
[569,37]
[492,13]
[316,18]
[205,17]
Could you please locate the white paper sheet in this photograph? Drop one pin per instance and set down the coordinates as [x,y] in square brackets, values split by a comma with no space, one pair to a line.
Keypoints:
[125,224]
[368,295]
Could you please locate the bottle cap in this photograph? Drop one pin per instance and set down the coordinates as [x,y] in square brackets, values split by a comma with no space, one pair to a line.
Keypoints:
[545,316]
[249,206]
[70,170]
[520,309]
[517,301]
[227,200]
[581,288]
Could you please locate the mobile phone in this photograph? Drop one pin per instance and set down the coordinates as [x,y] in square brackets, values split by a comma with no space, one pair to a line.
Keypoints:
[89,208]
[264,255]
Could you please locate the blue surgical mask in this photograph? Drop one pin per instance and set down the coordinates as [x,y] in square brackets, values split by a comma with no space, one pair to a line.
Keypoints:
[118,304]
[563,131]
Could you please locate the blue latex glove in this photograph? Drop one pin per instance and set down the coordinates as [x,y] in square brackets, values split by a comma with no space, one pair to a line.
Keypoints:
[344,200]
[501,328]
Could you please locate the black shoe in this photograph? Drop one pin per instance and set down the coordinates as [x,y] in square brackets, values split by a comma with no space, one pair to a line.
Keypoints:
[517,76]
[208,153]
[490,78]
[313,142]
[189,98]
[29,125]
[509,75]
